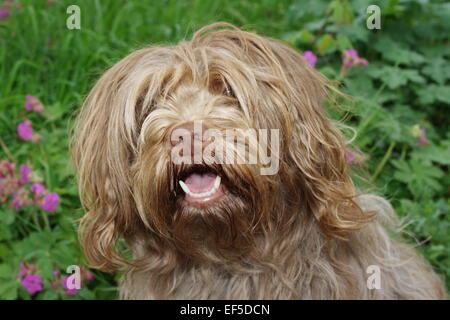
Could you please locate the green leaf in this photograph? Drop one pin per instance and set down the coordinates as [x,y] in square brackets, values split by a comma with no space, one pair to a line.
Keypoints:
[421,179]
[48,295]
[6,271]
[434,93]
[343,42]
[413,76]
[433,153]
[438,69]
[389,75]
[7,216]
[5,252]
[45,267]
[325,43]
[341,11]
[395,52]
[5,232]
[395,77]
[8,290]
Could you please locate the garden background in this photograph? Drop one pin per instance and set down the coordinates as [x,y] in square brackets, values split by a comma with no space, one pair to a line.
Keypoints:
[398,78]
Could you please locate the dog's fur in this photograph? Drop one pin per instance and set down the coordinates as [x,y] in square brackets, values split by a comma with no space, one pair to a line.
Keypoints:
[304,233]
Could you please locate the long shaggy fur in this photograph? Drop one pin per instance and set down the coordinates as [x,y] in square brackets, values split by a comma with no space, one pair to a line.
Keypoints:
[304,233]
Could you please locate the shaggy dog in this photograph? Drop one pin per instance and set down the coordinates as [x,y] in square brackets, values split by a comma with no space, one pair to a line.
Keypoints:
[224,230]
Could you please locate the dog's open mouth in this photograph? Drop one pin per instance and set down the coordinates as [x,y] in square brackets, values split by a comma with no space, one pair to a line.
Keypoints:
[202,186]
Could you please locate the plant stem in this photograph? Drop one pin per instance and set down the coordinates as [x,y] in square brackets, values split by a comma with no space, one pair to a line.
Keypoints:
[36,220]
[403,154]
[367,121]
[383,161]
[6,150]
[46,221]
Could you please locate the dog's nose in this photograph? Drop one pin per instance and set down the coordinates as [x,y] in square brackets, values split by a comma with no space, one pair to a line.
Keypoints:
[190,131]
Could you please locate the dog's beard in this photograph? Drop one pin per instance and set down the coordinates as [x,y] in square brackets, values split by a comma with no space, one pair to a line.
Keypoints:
[227,227]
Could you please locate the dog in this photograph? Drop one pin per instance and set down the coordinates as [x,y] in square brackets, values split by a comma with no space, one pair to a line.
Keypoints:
[228,230]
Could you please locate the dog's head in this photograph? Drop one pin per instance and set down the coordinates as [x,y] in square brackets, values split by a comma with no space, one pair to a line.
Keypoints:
[207,145]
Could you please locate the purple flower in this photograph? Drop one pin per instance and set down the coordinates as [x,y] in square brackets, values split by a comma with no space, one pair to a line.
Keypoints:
[7,168]
[352,53]
[51,201]
[24,174]
[24,130]
[363,62]
[38,189]
[9,185]
[310,57]
[23,271]
[4,14]
[69,292]
[422,140]
[33,103]
[351,156]
[20,198]
[354,157]
[350,58]
[87,274]
[420,134]
[33,283]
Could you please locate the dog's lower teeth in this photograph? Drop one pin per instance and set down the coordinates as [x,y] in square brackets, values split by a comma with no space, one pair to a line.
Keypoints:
[203,194]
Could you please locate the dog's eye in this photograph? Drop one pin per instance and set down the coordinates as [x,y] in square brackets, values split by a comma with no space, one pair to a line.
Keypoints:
[228,91]
[219,86]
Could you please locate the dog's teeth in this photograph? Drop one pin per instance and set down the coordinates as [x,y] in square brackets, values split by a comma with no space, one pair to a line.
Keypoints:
[217,182]
[202,194]
[184,187]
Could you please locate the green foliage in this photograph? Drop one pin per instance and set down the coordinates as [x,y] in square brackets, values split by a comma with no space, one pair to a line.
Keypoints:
[403,90]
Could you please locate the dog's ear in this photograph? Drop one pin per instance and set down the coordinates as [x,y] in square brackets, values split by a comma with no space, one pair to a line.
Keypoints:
[102,148]
[317,147]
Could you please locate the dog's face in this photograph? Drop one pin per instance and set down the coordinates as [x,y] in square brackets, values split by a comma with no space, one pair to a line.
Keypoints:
[155,159]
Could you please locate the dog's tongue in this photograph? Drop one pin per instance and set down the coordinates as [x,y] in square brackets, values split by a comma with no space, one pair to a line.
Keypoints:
[199,183]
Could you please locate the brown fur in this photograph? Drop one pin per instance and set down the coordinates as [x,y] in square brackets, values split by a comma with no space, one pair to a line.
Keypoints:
[303,233]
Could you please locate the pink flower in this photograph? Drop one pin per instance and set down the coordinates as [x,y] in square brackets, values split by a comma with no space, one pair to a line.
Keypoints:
[87,274]
[9,186]
[419,133]
[363,62]
[9,4]
[38,189]
[24,174]
[36,138]
[422,140]
[7,168]
[33,103]
[310,57]
[69,292]
[4,14]
[24,130]
[352,53]
[33,283]
[20,198]
[51,201]
[23,271]
[350,156]
[354,157]
[350,58]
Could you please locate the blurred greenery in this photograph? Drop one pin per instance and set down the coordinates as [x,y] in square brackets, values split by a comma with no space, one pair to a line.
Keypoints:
[399,107]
